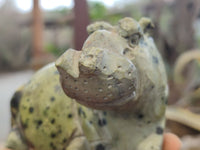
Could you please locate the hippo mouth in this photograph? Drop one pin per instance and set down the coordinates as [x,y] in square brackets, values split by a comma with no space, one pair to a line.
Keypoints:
[97,78]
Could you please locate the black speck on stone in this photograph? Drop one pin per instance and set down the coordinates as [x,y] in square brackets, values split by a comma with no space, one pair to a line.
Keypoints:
[155,60]
[104,121]
[39,122]
[100,147]
[84,115]
[16,99]
[149,26]
[59,131]
[100,123]
[52,98]
[69,115]
[52,121]
[52,146]
[148,122]
[53,135]
[140,116]
[64,140]
[164,99]
[79,111]
[24,125]
[159,130]
[31,110]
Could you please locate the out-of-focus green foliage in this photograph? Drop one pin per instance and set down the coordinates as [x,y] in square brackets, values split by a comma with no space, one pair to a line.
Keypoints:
[53,49]
[62,10]
[113,19]
[58,39]
[97,10]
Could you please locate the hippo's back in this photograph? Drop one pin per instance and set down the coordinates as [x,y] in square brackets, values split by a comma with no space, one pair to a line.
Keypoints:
[45,113]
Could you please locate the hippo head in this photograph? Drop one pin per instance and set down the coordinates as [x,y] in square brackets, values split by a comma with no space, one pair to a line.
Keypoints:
[103,75]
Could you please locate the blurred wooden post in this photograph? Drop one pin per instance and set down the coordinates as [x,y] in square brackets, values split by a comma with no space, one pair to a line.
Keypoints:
[37,30]
[185,14]
[80,23]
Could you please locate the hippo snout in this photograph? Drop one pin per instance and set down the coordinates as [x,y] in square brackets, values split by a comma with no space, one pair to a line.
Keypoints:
[97,77]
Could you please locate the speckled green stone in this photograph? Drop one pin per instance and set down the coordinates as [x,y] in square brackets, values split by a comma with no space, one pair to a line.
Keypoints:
[117,91]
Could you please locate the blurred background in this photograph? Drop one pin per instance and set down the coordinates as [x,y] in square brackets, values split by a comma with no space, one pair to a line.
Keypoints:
[35,32]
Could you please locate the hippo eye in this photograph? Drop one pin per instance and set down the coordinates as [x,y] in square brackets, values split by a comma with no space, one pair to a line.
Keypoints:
[134,39]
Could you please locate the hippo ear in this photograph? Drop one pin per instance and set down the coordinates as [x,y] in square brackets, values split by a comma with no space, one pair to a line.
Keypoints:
[99,26]
[146,25]
[128,26]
